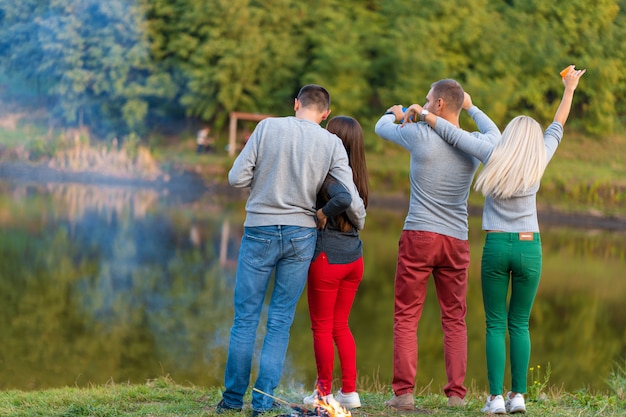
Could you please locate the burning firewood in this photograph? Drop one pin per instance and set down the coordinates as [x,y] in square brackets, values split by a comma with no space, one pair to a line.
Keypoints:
[321,408]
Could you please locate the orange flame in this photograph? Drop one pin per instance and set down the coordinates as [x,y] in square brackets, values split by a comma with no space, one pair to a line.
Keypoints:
[332,408]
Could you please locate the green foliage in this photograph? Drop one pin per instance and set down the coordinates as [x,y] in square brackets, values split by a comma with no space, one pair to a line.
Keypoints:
[131,145]
[89,58]
[339,52]
[112,66]
[617,380]
[539,380]
[40,148]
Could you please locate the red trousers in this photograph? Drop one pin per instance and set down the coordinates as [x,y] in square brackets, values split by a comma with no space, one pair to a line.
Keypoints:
[331,291]
[420,254]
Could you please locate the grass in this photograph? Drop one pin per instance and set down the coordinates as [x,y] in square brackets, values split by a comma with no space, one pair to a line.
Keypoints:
[617,380]
[163,397]
[587,173]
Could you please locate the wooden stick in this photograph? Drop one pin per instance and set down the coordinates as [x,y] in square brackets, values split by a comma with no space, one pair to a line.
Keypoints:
[296,407]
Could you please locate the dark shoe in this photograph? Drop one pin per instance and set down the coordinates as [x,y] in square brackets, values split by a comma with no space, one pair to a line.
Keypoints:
[222,407]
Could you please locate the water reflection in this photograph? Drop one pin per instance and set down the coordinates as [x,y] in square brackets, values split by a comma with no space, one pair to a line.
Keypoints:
[127,284]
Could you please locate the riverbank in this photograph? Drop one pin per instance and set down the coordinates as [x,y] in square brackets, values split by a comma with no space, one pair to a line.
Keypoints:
[584,198]
[191,181]
[546,215]
[165,398]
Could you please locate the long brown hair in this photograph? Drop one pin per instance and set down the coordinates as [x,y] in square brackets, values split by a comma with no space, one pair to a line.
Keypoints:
[351,134]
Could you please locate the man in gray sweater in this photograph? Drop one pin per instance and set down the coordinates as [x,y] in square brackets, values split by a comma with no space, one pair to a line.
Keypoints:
[433,240]
[284,163]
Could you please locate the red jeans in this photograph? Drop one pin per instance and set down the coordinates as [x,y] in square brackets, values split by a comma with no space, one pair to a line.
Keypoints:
[420,254]
[331,291]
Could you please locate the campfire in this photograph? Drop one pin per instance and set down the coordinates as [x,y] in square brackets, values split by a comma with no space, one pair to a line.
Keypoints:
[320,408]
[325,409]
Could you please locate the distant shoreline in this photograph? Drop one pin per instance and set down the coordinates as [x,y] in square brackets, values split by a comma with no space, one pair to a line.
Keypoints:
[21,171]
[546,216]
[188,183]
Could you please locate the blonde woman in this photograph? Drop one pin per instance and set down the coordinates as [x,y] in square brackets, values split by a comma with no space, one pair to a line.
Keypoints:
[512,250]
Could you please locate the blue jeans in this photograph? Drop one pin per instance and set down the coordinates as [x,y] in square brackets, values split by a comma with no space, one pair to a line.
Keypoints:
[288,250]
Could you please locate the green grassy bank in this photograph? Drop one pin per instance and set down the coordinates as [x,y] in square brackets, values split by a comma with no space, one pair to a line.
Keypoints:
[587,175]
[165,398]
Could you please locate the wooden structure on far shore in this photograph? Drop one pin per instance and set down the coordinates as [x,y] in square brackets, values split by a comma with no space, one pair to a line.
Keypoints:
[234,117]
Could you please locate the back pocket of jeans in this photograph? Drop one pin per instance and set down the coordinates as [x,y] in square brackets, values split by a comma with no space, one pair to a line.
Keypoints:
[255,249]
[531,265]
[304,246]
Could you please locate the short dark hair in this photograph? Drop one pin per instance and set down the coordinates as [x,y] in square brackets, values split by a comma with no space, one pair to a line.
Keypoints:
[313,95]
[450,91]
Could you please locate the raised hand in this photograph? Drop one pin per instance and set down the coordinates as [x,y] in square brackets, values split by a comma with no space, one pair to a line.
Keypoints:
[571,78]
[467,101]
[412,114]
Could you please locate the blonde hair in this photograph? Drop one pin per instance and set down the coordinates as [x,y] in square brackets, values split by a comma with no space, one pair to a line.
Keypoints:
[517,162]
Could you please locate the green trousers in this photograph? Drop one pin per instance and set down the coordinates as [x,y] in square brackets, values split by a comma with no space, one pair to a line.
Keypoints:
[515,259]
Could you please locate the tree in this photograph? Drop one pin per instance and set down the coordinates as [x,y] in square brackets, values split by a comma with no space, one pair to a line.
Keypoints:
[232,55]
[339,37]
[91,57]
[112,64]
[19,45]
[423,44]
[558,34]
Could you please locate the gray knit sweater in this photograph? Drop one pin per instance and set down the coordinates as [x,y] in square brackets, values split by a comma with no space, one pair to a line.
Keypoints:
[440,175]
[285,162]
[515,214]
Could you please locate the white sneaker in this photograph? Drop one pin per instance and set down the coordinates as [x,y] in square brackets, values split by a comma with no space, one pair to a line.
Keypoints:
[495,406]
[349,400]
[314,398]
[515,404]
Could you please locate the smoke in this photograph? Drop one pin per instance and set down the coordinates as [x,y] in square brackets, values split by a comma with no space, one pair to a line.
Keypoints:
[86,61]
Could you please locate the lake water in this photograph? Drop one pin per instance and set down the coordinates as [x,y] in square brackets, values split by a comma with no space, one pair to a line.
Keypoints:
[125,284]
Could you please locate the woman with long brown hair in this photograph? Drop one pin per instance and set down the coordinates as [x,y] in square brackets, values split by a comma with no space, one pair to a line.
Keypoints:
[336,272]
